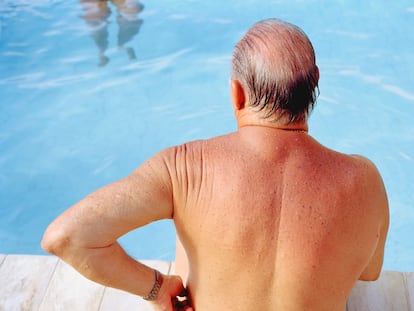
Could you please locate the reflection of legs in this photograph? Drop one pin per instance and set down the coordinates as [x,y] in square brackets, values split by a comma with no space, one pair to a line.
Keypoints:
[127,30]
[96,16]
[100,36]
[128,22]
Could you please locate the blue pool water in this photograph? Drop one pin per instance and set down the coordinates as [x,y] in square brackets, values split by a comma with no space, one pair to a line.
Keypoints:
[85,101]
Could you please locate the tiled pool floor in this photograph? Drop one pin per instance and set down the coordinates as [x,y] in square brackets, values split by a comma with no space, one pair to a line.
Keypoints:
[46,283]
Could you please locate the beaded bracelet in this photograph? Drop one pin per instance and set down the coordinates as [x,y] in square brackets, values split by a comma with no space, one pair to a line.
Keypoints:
[156,288]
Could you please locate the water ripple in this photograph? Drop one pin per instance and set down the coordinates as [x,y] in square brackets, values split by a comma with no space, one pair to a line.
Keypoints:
[157,64]
[13,53]
[23,78]
[353,35]
[179,16]
[52,83]
[405,156]
[106,163]
[108,85]
[398,91]
[328,100]
[221,59]
[195,115]
[377,80]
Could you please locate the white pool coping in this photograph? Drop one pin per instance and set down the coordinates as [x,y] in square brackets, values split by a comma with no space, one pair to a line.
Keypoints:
[31,282]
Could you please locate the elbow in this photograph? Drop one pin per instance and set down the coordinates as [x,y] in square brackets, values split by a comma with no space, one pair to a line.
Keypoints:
[370,276]
[55,241]
[48,244]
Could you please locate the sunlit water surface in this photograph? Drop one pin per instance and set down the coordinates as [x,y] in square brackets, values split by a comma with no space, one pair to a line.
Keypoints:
[86,98]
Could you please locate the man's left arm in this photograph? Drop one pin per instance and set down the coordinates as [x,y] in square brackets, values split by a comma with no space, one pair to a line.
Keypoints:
[376,193]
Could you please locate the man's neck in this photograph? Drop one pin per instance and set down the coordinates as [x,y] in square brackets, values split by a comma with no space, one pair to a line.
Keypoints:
[286,128]
[282,125]
[249,118]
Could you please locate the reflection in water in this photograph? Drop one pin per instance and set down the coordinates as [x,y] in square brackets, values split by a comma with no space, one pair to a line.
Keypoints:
[96,15]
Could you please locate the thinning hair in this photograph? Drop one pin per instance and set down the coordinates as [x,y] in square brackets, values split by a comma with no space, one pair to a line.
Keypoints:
[275,64]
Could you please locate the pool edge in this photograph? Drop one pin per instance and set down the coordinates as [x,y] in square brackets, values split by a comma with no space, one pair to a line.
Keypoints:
[42,282]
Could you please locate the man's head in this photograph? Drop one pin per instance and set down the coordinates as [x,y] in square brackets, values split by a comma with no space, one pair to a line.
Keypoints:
[275,65]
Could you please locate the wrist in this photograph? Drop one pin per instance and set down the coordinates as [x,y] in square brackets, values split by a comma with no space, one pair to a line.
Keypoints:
[153,294]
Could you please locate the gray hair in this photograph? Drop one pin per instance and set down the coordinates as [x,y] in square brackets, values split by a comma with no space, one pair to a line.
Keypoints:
[275,64]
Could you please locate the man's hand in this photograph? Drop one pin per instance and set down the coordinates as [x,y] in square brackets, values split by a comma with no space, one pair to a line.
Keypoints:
[172,296]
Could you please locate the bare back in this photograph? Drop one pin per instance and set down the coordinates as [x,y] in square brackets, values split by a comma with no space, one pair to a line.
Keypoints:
[272,220]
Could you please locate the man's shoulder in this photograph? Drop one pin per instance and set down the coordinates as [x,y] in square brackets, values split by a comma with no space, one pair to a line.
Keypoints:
[200,144]
[193,151]
[354,161]
[363,175]
[354,169]
[364,164]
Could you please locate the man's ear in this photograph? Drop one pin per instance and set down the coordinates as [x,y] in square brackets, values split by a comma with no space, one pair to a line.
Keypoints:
[237,95]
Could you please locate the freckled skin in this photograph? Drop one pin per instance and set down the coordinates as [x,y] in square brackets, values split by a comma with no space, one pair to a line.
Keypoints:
[272,220]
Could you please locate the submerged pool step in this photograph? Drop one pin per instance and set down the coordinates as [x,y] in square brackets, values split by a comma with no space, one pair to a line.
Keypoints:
[46,283]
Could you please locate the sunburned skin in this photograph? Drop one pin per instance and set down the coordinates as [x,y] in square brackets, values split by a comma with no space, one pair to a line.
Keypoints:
[272,220]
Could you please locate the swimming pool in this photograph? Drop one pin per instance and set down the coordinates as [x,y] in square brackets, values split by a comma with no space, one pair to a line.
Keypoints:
[85,100]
